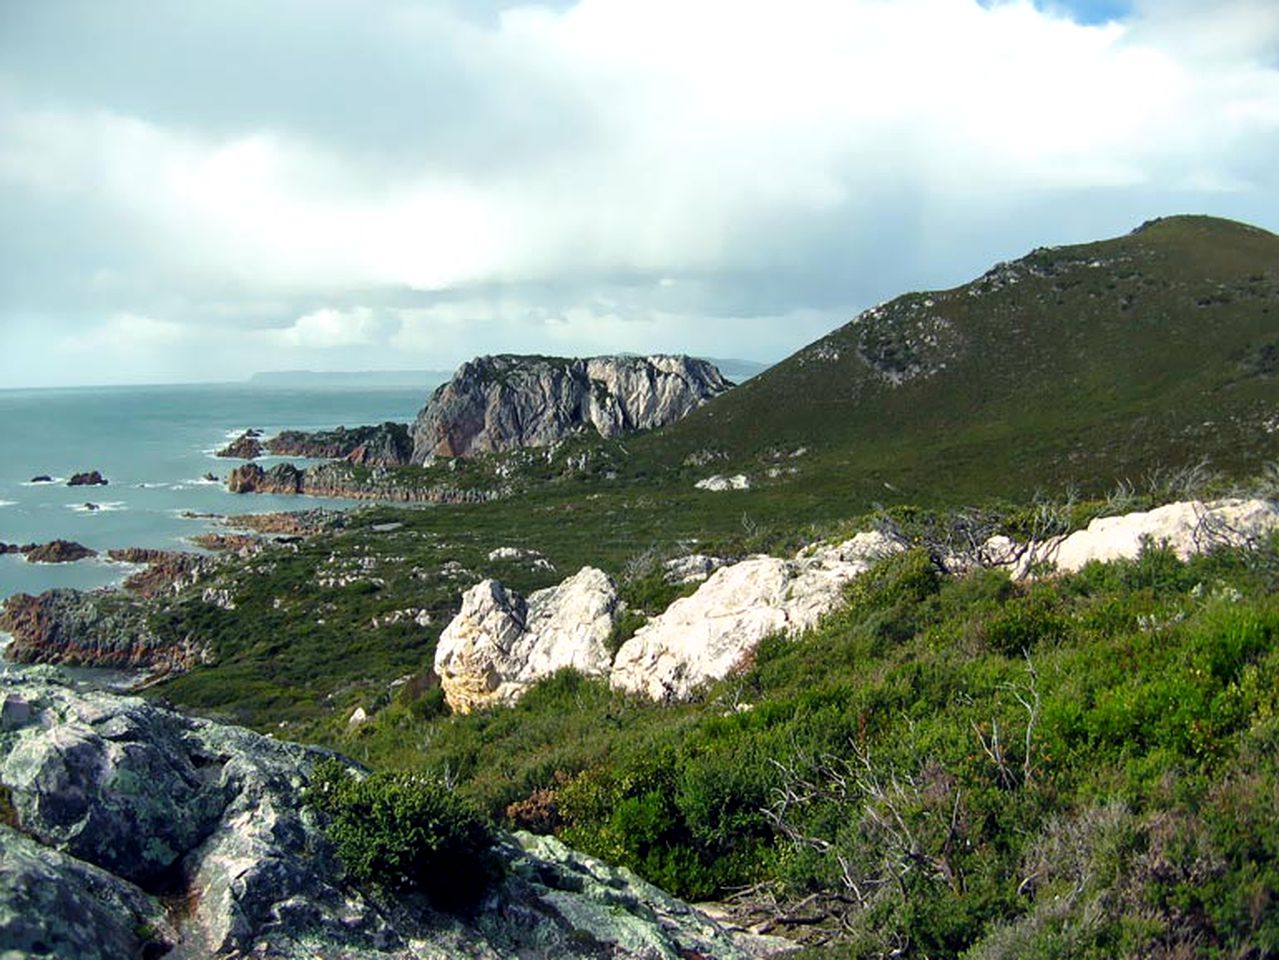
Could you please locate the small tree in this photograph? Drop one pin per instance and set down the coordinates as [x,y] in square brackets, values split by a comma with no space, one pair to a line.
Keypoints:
[403,832]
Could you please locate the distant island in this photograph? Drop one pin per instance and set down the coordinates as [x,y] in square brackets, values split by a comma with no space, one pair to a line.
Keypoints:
[428,379]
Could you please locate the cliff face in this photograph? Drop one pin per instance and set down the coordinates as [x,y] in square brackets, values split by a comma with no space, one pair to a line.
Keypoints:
[503,402]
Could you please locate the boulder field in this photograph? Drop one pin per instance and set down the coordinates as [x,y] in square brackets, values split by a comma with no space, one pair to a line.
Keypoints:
[127,830]
[499,644]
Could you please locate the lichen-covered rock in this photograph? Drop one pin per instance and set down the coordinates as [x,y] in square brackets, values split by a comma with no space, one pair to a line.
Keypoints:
[53,905]
[503,402]
[705,636]
[120,803]
[499,644]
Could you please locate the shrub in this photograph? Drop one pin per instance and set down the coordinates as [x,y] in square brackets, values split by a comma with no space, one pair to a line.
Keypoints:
[404,832]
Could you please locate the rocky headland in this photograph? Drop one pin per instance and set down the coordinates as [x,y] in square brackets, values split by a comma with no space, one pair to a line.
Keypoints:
[247,446]
[505,402]
[386,444]
[341,480]
[92,629]
[132,831]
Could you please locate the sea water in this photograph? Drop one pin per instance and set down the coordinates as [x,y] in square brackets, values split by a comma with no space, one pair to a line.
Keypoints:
[154,445]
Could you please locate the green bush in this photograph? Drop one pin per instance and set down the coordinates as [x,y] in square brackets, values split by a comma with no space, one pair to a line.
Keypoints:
[404,832]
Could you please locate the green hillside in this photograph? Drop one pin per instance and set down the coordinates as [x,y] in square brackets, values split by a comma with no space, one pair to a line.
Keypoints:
[1073,365]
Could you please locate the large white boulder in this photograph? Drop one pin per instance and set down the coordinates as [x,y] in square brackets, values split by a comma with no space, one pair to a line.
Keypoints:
[706,636]
[500,644]
[1187,527]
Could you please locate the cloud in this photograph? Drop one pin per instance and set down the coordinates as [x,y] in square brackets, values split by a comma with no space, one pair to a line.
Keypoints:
[327,328]
[606,172]
[126,334]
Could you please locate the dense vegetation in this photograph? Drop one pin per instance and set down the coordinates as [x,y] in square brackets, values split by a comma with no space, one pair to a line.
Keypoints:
[1082,766]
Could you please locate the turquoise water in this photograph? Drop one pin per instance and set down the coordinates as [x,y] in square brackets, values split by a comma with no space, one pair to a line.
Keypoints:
[154,445]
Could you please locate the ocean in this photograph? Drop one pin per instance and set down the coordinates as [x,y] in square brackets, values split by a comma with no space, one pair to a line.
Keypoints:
[154,444]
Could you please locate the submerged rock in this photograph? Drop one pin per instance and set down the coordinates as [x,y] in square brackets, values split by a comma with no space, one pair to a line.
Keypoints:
[504,402]
[122,808]
[499,644]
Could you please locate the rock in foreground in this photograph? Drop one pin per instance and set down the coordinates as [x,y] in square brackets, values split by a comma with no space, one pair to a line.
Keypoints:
[122,808]
[504,402]
[501,644]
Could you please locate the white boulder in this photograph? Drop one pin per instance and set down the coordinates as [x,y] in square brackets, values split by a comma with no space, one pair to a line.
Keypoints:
[691,568]
[500,644]
[718,483]
[706,636]
[1187,527]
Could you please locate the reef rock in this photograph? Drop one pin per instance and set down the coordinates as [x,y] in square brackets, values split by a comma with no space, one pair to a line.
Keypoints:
[58,551]
[706,636]
[503,402]
[90,479]
[121,809]
[500,644]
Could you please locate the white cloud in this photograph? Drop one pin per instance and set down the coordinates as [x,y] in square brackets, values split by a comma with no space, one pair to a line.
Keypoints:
[327,328]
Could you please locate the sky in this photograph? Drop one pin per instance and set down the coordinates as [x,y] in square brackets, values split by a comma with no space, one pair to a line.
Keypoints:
[200,190]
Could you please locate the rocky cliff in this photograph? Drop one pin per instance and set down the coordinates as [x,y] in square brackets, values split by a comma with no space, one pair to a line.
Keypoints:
[130,831]
[503,402]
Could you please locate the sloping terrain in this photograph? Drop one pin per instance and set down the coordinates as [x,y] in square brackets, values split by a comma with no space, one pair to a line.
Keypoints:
[1081,364]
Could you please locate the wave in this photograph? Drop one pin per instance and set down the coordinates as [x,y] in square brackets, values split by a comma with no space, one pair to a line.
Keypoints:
[8,503]
[107,506]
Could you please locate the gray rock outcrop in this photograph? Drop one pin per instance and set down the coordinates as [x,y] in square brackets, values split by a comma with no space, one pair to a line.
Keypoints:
[706,636]
[503,402]
[137,832]
[499,644]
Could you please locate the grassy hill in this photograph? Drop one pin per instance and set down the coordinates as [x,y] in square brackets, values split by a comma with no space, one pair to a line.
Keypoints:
[1073,365]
